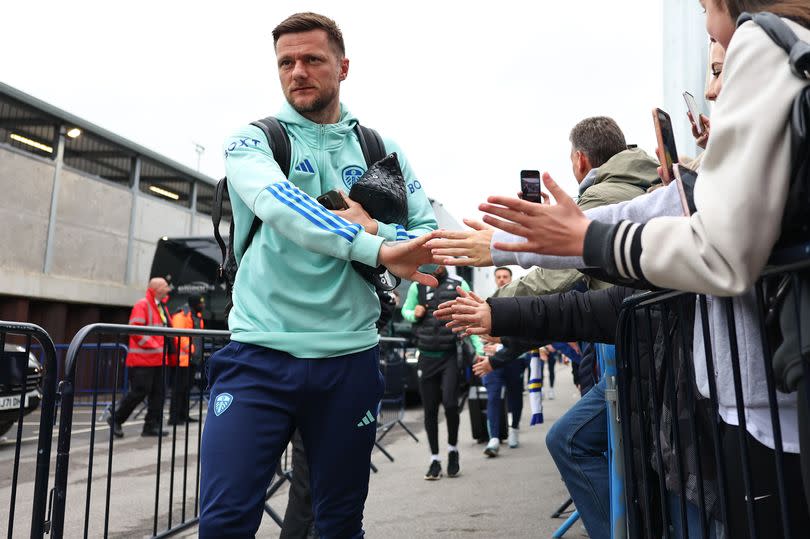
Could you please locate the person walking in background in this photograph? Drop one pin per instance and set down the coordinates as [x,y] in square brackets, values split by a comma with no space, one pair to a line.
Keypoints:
[438,366]
[509,377]
[145,357]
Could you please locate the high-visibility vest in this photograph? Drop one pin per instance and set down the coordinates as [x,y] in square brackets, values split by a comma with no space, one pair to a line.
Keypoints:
[186,319]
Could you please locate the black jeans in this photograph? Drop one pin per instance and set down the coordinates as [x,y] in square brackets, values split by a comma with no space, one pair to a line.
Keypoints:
[180,384]
[144,382]
[438,384]
[766,496]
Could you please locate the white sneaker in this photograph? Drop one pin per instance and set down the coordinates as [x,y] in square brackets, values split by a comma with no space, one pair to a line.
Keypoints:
[492,447]
[551,394]
[513,438]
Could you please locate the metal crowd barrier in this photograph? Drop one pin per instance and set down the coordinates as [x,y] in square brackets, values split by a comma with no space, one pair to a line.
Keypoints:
[677,446]
[175,506]
[85,374]
[22,388]
[392,405]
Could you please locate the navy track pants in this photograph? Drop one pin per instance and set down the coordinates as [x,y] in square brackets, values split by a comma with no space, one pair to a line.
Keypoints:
[258,397]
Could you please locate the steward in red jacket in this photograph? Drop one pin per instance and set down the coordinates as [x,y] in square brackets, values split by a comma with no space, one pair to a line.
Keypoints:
[144,364]
[147,350]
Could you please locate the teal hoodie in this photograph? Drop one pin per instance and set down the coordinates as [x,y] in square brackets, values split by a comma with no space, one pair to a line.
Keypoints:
[296,290]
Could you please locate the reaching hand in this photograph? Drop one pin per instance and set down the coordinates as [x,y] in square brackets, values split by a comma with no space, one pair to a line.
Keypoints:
[357,214]
[553,230]
[482,366]
[472,246]
[700,139]
[445,310]
[403,259]
[471,314]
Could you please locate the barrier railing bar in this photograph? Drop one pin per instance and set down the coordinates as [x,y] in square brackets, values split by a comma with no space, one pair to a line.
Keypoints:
[691,402]
[716,421]
[642,421]
[160,435]
[203,378]
[112,437]
[92,451]
[46,420]
[742,430]
[18,446]
[186,406]
[767,358]
[656,420]
[676,431]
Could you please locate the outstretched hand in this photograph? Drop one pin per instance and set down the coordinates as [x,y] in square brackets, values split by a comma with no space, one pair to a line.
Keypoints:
[463,247]
[445,310]
[403,259]
[553,230]
[469,314]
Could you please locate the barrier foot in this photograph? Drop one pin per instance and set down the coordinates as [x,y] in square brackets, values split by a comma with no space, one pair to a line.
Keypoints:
[567,524]
[384,452]
[401,424]
[373,468]
[562,509]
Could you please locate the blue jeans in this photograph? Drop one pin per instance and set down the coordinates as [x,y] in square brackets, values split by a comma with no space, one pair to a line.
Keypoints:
[577,442]
[692,518]
[511,376]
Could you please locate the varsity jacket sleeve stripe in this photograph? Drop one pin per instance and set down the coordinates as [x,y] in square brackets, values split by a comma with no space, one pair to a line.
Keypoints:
[664,201]
[255,177]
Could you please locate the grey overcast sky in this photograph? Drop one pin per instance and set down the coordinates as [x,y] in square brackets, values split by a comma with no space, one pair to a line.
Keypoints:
[473,92]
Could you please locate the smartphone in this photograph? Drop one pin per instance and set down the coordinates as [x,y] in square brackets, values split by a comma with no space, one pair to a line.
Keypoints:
[530,185]
[332,200]
[691,104]
[666,143]
[685,180]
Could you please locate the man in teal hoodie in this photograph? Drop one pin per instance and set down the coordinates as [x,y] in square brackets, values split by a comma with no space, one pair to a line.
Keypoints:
[303,351]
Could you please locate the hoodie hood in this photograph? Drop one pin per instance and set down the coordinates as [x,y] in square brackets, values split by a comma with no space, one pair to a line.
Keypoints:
[321,136]
[633,167]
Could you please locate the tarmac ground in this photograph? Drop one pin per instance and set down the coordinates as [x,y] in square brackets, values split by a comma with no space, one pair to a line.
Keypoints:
[512,495]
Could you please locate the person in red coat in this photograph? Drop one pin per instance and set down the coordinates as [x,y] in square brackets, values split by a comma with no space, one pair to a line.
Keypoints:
[145,358]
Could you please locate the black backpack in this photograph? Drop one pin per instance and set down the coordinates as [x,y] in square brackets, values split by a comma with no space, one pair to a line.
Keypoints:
[795,219]
[373,149]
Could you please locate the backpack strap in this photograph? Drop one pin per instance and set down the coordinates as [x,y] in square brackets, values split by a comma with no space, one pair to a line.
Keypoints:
[279,143]
[216,217]
[798,51]
[278,140]
[371,143]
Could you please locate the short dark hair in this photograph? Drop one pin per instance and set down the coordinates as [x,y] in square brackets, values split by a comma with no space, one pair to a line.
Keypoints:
[503,268]
[599,138]
[304,22]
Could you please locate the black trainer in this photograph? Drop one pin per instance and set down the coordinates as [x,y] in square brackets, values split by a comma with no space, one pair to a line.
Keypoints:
[453,467]
[154,431]
[118,432]
[435,471]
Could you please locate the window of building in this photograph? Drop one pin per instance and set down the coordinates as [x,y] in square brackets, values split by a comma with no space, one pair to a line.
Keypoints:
[26,128]
[99,157]
[165,183]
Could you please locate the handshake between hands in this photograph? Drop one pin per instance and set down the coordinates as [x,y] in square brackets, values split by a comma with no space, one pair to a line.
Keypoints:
[557,229]
[550,229]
